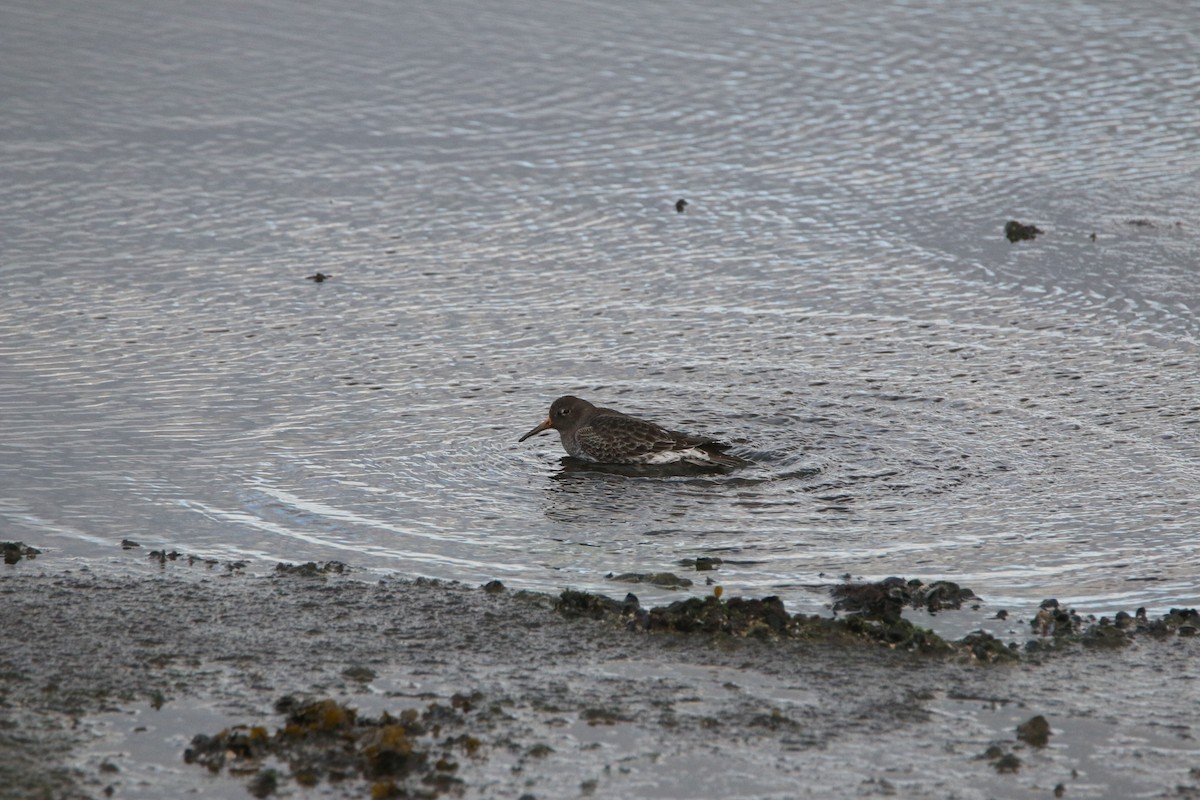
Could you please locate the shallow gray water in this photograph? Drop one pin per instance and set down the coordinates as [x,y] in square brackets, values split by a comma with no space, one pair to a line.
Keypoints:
[492,187]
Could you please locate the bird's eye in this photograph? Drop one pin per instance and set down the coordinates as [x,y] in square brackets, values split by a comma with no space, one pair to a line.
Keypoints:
[565,412]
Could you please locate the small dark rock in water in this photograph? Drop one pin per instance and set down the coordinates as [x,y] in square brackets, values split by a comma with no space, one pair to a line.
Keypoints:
[1060,790]
[1034,731]
[1016,231]
[493,587]
[129,544]
[1141,223]
[680,205]
[1093,239]
[15,551]
[1001,614]
[320,277]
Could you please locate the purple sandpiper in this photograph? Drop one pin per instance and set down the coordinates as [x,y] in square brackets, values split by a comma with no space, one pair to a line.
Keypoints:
[605,436]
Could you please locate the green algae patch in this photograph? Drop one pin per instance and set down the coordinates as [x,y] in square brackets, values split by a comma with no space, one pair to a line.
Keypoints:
[412,754]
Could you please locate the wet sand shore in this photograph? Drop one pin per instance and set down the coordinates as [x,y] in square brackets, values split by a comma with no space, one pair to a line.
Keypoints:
[106,677]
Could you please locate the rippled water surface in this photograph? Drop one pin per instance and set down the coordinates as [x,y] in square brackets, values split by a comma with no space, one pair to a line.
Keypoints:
[492,188]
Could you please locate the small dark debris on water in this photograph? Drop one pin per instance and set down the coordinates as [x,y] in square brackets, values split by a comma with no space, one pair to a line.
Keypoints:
[129,544]
[409,755]
[1140,223]
[320,277]
[665,580]
[1034,731]
[312,569]
[680,205]
[1093,239]
[1018,232]
[15,551]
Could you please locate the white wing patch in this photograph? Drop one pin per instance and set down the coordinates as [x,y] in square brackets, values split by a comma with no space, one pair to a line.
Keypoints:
[693,455]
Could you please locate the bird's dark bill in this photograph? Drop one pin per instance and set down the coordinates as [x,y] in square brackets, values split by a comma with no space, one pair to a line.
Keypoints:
[545,424]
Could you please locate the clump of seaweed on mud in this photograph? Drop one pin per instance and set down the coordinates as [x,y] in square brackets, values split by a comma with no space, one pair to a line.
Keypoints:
[873,613]
[767,618]
[312,569]
[1056,626]
[410,755]
[15,551]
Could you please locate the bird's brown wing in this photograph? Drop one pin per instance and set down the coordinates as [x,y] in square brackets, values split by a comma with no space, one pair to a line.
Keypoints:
[616,438]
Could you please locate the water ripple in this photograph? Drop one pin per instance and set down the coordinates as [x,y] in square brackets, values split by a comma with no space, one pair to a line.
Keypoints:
[492,190]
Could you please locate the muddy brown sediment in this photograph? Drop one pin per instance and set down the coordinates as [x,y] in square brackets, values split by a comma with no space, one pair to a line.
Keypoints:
[557,673]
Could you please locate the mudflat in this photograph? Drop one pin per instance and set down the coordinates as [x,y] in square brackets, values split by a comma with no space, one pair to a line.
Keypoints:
[211,681]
